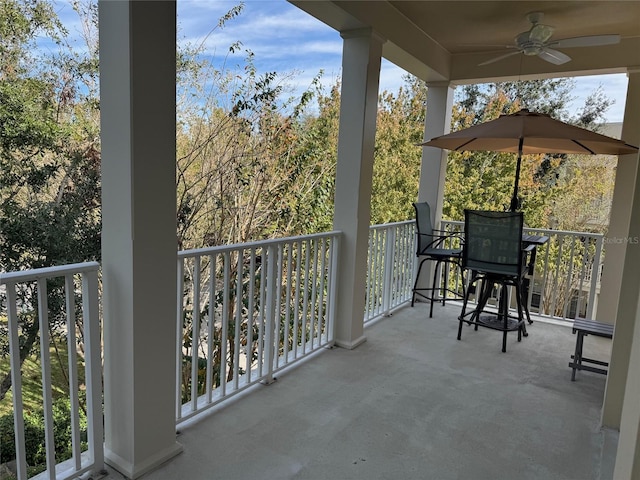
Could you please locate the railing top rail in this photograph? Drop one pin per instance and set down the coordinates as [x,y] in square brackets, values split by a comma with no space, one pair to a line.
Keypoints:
[47,272]
[259,243]
[542,230]
[387,225]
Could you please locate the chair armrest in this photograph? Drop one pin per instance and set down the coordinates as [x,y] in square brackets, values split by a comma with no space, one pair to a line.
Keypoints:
[439,237]
[444,234]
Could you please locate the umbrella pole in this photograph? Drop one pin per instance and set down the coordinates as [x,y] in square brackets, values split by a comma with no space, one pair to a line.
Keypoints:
[515,203]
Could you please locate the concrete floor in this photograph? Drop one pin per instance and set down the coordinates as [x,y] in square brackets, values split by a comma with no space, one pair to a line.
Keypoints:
[412,402]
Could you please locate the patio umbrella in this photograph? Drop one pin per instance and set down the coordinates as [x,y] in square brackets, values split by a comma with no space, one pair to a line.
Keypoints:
[526,133]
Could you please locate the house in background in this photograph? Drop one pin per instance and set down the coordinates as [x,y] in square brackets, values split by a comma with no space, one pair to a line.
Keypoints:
[437,41]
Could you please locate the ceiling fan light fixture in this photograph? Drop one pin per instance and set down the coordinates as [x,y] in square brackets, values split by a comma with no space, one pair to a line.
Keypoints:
[540,33]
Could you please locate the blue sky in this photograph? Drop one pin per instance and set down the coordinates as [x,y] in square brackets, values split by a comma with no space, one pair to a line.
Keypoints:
[285,39]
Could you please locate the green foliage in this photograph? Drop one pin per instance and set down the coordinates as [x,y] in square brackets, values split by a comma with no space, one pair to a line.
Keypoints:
[400,126]
[244,169]
[35,434]
[20,22]
[49,162]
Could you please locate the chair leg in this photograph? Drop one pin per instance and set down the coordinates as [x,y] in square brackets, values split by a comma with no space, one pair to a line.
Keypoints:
[522,308]
[524,303]
[485,293]
[503,309]
[445,287]
[433,287]
[464,308]
[415,284]
[462,280]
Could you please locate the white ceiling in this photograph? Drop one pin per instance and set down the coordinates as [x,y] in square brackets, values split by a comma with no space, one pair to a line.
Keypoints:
[446,40]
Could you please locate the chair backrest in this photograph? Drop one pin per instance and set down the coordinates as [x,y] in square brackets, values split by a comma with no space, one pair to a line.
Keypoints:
[424,227]
[493,242]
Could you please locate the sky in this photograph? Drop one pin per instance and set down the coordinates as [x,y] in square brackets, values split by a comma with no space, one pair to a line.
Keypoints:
[286,39]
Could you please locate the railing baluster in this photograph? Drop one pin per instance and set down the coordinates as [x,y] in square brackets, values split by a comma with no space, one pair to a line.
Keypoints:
[224,335]
[277,301]
[211,325]
[45,360]
[388,268]
[595,277]
[270,312]
[568,280]
[314,292]
[584,245]
[16,381]
[333,286]
[93,367]
[556,276]
[261,312]
[288,299]
[195,332]
[238,319]
[296,314]
[179,336]
[251,309]
[322,314]
[370,287]
[72,365]
[305,300]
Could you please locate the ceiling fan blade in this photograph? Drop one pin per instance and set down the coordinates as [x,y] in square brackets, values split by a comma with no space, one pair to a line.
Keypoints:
[588,41]
[554,56]
[498,58]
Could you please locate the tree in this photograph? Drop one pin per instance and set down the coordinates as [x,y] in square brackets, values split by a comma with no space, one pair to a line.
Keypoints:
[49,162]
[243,173]
[396,169]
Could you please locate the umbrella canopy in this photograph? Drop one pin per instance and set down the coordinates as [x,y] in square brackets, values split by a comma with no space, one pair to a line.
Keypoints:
[526,133]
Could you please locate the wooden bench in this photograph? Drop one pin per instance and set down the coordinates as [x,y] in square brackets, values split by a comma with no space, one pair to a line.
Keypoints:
[588,327]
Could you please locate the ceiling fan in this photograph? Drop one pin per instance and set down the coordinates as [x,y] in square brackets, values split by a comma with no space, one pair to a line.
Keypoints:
[537,42]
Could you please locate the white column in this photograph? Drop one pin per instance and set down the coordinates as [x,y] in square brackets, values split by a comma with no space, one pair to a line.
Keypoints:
[433,168]
[626,248]
[361,57]
[628,452]
[138,131]
[622,396]
[434,160]
[620,217]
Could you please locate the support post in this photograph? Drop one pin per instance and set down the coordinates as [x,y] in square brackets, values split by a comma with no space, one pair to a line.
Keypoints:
[361,58]
[139,246]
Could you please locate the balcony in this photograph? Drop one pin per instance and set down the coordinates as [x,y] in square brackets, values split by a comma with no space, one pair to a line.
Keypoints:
[411,401]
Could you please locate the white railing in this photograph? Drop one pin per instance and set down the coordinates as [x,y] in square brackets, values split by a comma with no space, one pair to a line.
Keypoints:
[246,311]
[28,311]
[280,294]
[562,285]
[390,268]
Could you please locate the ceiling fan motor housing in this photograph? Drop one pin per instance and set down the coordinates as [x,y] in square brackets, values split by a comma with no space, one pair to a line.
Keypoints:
[533,40]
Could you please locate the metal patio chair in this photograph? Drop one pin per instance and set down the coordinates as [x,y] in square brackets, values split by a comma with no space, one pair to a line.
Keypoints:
[435,246]
[494,255]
